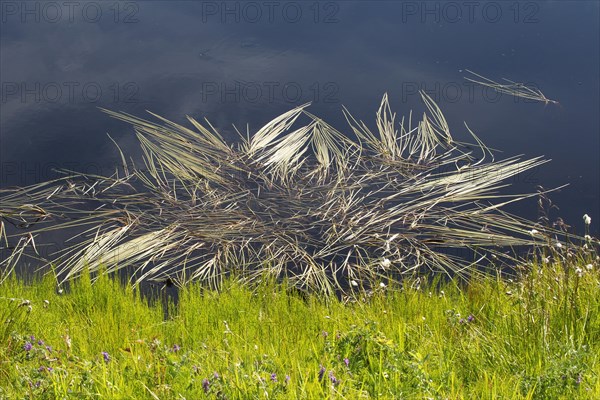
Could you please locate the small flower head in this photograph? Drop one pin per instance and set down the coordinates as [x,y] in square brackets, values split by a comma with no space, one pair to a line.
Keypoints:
[205,385]
[325,334]
[579,272]
[587,219]
[176,348]
[382,285]
[28,346]
[332,378]
[273,377]
[287,379]
[589,267]
[346,361]
[321,371]
[216,375]
[354,283]
[386,263]
[533,232]
[106,356]
[559,245]
[471,318]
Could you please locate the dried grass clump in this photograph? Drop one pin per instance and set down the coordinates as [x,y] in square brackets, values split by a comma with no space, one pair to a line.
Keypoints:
[303,202]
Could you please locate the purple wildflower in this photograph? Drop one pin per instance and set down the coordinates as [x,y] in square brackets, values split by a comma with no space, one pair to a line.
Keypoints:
[216,375]
[40,342]
[321,371]
[205,385]
[176,348]
[471,318]
[346,361]
[49,348]
[332,378]
[273,377]
[461,321]
[106,356]
[287,379]
[28,346]
[32,338]
[42,368]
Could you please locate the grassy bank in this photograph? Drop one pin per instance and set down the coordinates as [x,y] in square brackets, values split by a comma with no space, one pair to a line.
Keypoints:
[537,336]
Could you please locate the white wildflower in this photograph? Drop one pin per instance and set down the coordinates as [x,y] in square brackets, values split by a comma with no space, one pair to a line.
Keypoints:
[386,263]
[354,283]
[382,285]
[587,219]
[579,272]
[589,267]
[559,245]
[533,232]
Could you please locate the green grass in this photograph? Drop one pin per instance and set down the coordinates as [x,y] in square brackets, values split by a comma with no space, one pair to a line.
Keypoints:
[536,337]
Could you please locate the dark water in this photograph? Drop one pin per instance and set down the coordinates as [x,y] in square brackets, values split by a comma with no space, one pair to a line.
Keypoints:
[246,62]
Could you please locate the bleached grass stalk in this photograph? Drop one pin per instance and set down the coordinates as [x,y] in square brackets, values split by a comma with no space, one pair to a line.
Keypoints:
[512,88]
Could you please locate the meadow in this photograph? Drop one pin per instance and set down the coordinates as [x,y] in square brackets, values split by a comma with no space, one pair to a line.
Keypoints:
[309,264]
[534,336]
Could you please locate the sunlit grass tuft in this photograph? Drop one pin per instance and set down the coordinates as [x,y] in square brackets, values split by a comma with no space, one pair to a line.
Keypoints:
[332,213]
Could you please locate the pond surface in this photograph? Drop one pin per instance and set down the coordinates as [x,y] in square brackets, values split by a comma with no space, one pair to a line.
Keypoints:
[239,63]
